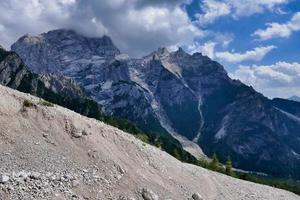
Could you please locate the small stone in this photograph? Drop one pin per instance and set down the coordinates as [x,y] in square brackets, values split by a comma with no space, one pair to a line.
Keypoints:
[75,183]
[149,195]
[121,170]
[76,134]
[35,175]
[23,174]
[4,178]
[84,132]
[125,198]
[197,196]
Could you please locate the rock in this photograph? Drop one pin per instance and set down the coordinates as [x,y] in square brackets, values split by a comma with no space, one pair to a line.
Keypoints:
[149,195]
[35,175]
[23,174]
[84,132]
[197,196]
[125,198]
[76,133]
[120,169]
[75,183]
[45,135]
[4,178]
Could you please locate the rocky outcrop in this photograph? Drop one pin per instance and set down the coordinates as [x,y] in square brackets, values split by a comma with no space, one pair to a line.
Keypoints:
[188,96]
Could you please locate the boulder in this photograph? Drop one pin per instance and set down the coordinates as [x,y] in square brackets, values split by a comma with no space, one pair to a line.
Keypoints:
[149,195]
[4,178]
[197,196]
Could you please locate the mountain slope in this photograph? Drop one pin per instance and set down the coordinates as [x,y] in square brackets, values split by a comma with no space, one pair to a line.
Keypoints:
[67,156]
[15,74]
[188,96]
[65,92]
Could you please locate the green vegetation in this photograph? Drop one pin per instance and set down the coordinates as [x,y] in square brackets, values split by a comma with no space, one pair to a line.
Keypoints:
[215,165]
[46,103]
[286,184]
[28,104]
[228,167]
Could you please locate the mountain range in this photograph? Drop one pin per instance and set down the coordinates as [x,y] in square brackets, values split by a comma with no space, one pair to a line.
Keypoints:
[190,97]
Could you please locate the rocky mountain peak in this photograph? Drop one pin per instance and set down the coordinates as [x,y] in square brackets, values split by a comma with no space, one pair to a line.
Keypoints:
[162,51]
[181,52]
[30,39]
[64,51]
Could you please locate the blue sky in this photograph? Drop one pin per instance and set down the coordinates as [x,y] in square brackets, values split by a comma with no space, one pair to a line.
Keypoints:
[241,29]
[257,41]
[270,29]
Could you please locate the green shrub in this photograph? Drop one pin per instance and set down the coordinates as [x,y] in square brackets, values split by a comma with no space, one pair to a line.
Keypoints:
[28,104]
[228,168]
[46,103]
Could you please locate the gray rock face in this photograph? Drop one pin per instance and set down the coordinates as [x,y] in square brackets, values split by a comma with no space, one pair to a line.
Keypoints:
[175,92]
[61,84]
[4,178]
[64,50]
[14,73]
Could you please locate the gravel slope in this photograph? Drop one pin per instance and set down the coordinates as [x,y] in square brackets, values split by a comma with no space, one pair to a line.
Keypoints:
[54,153]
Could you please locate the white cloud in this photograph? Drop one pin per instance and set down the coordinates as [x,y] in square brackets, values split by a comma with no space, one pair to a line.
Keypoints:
[136,26]
[207,49]
[257,54]
[275,30]
[214,9]
[281,79]
[250,7]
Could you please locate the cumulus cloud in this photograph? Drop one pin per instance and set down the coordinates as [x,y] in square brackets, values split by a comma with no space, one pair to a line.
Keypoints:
[281,79]
[275,30]
[257,54]
[136,26]
[214,9]
[207,49]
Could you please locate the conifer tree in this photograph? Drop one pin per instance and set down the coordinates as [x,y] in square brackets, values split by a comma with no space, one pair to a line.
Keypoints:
[228,168]
[214,164]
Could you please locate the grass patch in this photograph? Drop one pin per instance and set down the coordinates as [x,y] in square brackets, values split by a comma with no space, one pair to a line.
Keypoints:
[46,103]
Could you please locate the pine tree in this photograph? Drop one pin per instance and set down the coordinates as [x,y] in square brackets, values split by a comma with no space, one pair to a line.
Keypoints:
[228,168]
[214,164]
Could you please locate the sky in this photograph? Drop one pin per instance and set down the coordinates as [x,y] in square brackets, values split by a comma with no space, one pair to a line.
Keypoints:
[257,41]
